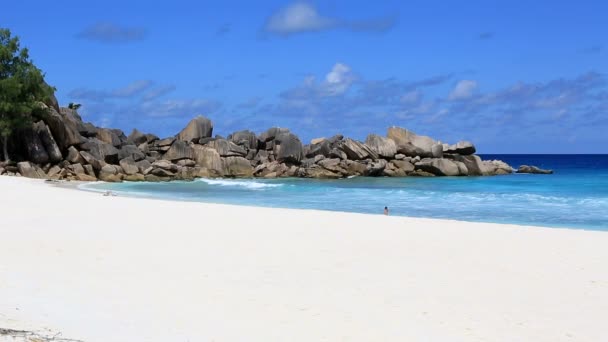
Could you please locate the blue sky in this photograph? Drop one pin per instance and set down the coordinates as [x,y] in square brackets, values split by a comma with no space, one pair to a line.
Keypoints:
[511,76]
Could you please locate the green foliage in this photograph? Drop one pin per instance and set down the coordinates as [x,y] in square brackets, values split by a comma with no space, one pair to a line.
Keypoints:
[74,106]
[22,87]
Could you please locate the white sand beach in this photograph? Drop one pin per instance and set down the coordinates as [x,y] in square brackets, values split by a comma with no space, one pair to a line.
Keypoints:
[98,268]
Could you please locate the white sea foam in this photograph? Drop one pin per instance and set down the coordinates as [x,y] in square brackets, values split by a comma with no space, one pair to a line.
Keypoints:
[240,183]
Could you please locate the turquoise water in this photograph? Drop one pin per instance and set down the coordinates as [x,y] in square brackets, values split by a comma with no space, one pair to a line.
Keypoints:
[576,196]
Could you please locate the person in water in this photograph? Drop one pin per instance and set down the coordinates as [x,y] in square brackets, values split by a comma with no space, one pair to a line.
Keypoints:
[385,210]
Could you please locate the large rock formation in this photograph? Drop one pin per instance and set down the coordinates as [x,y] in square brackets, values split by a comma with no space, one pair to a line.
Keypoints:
[288,148]
[199,127]
[384,147]
[62,146]
[48,141]
[355,150]
[411,144]
[439,167]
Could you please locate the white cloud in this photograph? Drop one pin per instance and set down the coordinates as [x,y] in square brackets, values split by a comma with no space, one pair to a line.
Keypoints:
[301,16]
[463,90]
[297,17]
[338,80]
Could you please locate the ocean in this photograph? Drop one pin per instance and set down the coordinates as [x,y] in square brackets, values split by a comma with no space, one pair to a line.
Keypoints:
[575,196]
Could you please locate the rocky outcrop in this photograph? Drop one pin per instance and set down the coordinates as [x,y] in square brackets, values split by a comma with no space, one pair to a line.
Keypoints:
[384,147]
[30,170]
[439,167]
[411,144]
[48,141]
[62,146]
[227,148]
[209,159]
[35,149]
[199,127]
[473,163]
[534,170]
[464,148]
[355,150]
[109,137]
[496,167]
[247,139]
[236,167]
[288,148]
[179,150]
[64,131]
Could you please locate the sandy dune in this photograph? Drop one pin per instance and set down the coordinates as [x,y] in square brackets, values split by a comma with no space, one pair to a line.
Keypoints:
[105,269]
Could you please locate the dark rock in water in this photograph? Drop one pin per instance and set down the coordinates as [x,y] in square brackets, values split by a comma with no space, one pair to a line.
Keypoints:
[245,138]
[420,173]
[533,169]
[439,167]
[29,170]
[136,137]
[383,147]
[272,133]
[131,151]
[288,148]
[179,150]
[236,167]
[199,127]
[496,167]
[464,148]
[48,141]
[227,148]
[355,150]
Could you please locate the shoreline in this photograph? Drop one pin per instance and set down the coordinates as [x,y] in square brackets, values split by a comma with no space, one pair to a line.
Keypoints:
[123,269]
[80,185]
